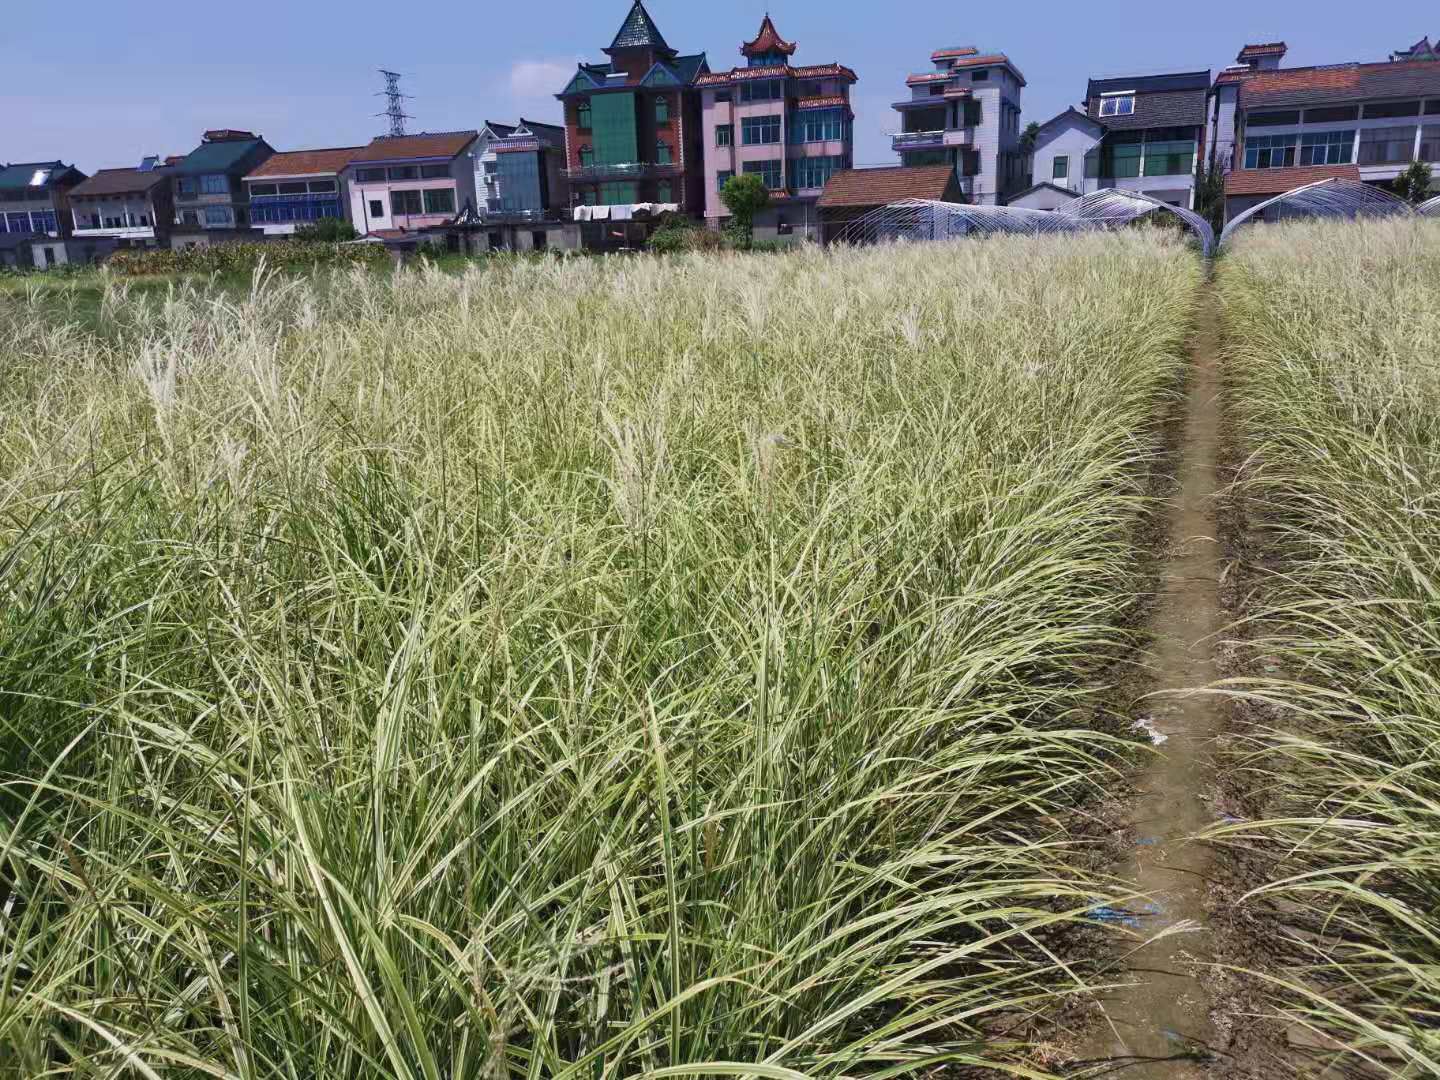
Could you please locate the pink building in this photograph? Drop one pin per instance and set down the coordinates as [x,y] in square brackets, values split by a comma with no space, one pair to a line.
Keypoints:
[792,126]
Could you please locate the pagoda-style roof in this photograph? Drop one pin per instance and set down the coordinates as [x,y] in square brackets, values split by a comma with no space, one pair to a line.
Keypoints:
[767,41]
[639,31]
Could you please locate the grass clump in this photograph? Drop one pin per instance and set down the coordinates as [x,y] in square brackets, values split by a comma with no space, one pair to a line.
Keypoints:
[568,668]
[1332,338]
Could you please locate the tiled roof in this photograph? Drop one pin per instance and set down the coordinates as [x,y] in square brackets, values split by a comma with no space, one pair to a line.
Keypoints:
[639,31]
[1178,108]
[119,182]
[23,174]
[820,102]
[950,54]
[1343,82]
[1149,84]
[1279,181]
[767,41]
[444,144]
[305,162]
[876,187]
[1268,48]
[814,71]
[927,77]
[1233,75]
[217,157]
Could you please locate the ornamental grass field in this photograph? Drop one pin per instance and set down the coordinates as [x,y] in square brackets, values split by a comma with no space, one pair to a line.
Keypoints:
[583,669]
[1335,361]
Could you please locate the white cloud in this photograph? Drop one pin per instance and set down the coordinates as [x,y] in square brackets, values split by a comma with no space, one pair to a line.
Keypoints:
[539,78]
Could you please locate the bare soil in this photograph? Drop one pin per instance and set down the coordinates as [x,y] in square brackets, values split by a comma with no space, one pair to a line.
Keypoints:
[1160,1023]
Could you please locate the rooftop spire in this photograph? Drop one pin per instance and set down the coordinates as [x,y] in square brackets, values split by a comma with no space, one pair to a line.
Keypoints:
[767,41]
[639,31]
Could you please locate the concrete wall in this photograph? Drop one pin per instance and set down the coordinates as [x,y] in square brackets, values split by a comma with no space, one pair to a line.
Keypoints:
[1073,139]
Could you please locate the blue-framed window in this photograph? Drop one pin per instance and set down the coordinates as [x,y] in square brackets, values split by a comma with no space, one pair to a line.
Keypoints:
[19,222]
[814,172]
[1327,148]
[44,221]
[218,216]
[662,152]
[214,184]
[771,172]
[818,125]
[721,177]
[724,134]
[760,130]
[1269,151]
[762,90]
[185,185]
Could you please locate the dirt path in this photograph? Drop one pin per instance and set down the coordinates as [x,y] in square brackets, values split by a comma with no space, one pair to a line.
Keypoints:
[1160,1027]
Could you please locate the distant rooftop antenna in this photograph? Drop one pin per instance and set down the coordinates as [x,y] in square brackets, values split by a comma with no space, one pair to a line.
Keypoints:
[395,102]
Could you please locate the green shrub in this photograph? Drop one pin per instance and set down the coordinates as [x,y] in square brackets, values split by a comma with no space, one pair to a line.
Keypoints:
[226,258]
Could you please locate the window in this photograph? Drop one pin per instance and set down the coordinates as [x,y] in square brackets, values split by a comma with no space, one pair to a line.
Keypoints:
[937,89]
[405,202]
[1169,158]
[1273,119]
[664,192]
[720,179]
[762,90]
[582,115]
[724,134]
[1391,109]
[974,114]
[44,221]
[1125,160]
[403,172]
[817,125]
[217,216]
[722,97]
[185,185]
[369,176]
[1337,115]
[587,157]
[439,201]
[983,75]
[591,197]
[145,220]
[1327,148]
[771,172]
[1432,108]
[1117,105]
[814,172]
[214,184]
[434,172]
[662,110]
[189,217]
[377,208]
[321,187]
[760,130]
[662,152]
[293,189]
[1269,151]
[1430,142]
[262,189]
[969,162]
[1387,146]
[1060,170]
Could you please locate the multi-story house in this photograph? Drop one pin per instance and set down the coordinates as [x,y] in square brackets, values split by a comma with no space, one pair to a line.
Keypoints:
[35,212]
[1275,128]
[212,205]
[123,208]
[520,179]
[792,126]
[298,187]
[402,185]
[632,135]
[1137,133]
[966,113]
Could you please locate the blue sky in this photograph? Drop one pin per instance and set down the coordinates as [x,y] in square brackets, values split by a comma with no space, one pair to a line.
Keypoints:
[108,83]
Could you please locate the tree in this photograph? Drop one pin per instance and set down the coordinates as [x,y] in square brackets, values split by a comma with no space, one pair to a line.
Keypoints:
[327,230]
[1413,185]
[1028,137]
[745,196]
[1210,194]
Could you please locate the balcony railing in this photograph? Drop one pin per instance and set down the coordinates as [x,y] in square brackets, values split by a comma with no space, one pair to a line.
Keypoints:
[642,170]
[918,140]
